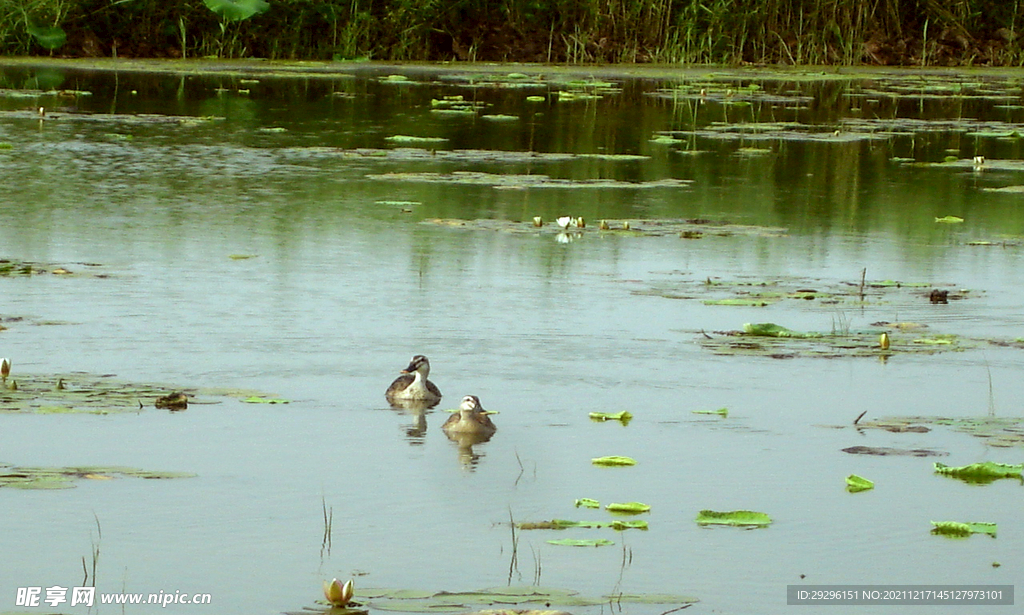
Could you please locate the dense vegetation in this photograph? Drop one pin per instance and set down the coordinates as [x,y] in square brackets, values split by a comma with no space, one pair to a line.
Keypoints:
[920,32]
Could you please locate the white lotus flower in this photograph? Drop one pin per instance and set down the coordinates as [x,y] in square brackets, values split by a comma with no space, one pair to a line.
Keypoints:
[564,221]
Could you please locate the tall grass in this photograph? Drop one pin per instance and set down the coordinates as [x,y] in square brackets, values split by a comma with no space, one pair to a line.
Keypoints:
[840,32]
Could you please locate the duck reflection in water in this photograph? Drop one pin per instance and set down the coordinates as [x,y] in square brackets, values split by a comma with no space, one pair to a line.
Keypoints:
[416,411]
[470,425]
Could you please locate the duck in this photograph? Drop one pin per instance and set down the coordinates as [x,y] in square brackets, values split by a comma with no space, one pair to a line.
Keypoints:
[471,418]
[413,383]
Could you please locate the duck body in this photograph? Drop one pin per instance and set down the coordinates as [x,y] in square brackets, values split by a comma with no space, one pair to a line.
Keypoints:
[470,419]
[413,384]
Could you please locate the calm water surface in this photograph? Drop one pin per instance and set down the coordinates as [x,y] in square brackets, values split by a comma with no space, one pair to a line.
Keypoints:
[347,281]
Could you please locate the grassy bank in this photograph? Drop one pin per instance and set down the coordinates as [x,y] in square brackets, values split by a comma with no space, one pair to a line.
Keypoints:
[848,32]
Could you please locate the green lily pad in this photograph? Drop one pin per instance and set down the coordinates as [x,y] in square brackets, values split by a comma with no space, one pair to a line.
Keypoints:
[735,517]
[624,416]
[633,508]
[980,473]
[563,524]
[581,542]
[256,399]
[949,220]
[956,529]
[613,460]
[769,329]
[587,503]
[856,484]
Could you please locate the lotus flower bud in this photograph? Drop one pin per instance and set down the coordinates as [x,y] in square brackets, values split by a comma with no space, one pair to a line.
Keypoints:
[338,594]
[5,367]
[883,341]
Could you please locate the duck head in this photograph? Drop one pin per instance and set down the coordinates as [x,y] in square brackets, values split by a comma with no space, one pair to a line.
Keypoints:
[419,364]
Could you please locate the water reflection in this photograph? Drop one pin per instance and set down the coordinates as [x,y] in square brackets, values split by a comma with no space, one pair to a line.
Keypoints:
[416,429]
[468,458]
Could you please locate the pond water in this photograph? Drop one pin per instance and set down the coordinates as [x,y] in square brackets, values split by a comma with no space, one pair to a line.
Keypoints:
[262,230]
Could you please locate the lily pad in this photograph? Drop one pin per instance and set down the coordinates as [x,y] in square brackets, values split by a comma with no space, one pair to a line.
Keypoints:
[956,529]
[587,503]
[632,508]
[256,399]
[581,542]
[769,329]
[414,140]
[949,220]
[722,412]
[562,524]
[981,473]
[624,416]
[743,518]
[613,460]
[856,484]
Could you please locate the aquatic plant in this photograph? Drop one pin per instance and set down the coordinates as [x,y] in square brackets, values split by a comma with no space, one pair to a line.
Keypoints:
[338,594]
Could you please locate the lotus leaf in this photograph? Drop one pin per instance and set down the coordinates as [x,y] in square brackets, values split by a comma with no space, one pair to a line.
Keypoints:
[624,416]
[613,460]
[723,412]
[950,219]
[981,473]
[735,517]
[582,542]
[856,484]
[587,503]
[955,529]
[768,329]
[632,508]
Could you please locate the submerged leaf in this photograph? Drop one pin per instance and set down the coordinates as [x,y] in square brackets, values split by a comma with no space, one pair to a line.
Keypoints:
[613,460]
[735,517]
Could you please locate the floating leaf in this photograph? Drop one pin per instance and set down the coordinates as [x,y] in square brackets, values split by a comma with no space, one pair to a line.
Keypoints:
[256,399]
[856,484]
[625,416]
[769,329]
[587,503]
[723,412]
[562,524]
[411,139]
[581,542]
[981,473]
[949,220]
[613,460]
[956,529]
[743,302]
[633,508]
[735,517]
